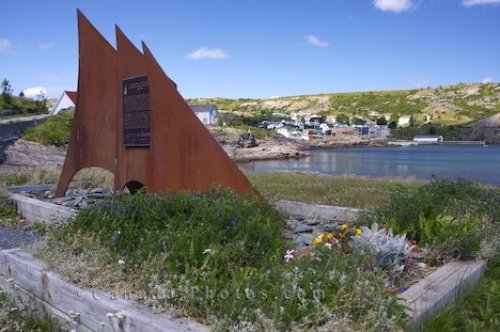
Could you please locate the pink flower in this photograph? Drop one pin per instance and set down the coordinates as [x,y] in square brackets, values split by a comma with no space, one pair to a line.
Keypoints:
[337,243]
[289,255]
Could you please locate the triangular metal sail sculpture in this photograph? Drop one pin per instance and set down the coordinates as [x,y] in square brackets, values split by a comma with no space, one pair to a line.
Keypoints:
[131,120]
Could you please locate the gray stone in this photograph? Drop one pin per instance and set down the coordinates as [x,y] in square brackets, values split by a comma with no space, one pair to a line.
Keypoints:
[77,201]
[98,191]
[302,228]
[68,201]
[304,240]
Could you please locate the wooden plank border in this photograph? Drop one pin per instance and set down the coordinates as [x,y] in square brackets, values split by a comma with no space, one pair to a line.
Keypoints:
[78,308]
[426,298]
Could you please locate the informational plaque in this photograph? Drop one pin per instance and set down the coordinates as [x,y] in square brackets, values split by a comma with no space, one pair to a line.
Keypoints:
[136,117]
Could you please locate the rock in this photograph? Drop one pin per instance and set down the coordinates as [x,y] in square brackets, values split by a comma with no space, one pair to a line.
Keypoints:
[62,200]
[304,240]
[77,201]
[302,228]
[68,201]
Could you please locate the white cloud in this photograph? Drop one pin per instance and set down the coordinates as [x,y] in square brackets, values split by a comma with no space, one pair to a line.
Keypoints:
[315,41]
[487,79]
[396,6]
[208,53]
[4,44]
[470,3]
[34,91]
[46,46]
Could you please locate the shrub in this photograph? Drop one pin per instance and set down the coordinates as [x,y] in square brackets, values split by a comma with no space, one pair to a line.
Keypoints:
[408,205]
[449,236]
[56,130]
[392,253]
[7,206]
[455,218]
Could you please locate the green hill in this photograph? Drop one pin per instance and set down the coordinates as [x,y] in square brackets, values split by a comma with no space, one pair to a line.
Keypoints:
[448,105]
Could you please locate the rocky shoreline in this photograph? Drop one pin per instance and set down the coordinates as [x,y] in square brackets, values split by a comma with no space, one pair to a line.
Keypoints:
[23,155]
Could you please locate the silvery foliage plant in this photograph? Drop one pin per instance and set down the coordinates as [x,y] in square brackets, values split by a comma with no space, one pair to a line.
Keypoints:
[389,252]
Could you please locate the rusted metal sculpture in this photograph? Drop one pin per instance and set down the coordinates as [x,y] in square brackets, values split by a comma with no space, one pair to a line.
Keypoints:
[131,120]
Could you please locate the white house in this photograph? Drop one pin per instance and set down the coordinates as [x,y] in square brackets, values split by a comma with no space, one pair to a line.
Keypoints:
[428,139]
[66,102]
[404,120]
[207,113]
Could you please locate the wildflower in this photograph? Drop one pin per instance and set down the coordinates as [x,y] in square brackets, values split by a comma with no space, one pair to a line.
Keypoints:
[121,262]
[329,236]
[289,255]
[319,239]
[206,251]
[328,245]
[337,243]
[344,227]
[358,232]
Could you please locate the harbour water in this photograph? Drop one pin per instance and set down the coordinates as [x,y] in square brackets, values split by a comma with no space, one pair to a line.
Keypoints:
[474,162]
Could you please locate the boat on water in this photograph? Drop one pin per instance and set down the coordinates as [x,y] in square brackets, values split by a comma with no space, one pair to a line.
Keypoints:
[402,143]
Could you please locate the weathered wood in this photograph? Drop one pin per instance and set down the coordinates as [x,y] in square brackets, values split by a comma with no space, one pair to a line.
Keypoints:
[36,210]
[319,211]
[431,294]
[80,308]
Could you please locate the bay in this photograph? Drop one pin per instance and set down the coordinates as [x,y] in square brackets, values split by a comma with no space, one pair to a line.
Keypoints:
[473,162]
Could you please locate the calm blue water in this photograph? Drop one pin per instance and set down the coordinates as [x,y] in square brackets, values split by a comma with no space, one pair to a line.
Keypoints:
[473,162]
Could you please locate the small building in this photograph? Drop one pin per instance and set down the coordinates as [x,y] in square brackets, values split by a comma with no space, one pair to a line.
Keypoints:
[342,131]
[66,102]
[383,132]
[207,113]
[404,121]
[428,139]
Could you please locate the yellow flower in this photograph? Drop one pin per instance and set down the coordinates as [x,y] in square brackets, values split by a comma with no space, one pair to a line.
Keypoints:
[344,227]
[329,236]
[318,239]
[358,231]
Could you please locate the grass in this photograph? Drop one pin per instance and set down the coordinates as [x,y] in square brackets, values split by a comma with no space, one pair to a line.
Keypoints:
[90,177]
[352,191]
[218,258]
[56,130]
[478,311]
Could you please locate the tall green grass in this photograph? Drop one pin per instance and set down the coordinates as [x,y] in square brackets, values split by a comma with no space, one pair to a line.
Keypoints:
[56,130]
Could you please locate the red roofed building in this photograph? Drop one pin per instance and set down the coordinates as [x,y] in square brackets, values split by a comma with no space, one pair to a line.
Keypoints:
[65,103]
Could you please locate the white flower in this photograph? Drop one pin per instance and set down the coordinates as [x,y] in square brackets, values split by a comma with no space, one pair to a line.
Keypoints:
[121,262]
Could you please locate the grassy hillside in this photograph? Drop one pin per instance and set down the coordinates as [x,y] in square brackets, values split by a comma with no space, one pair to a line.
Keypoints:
[449,105]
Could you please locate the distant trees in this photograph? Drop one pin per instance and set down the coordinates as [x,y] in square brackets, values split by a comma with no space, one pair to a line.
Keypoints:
[342,119]
[6,91]
[359,121]
[382,121]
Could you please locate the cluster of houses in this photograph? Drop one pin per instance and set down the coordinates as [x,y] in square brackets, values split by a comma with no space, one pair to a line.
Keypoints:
[300,125]
[308,126]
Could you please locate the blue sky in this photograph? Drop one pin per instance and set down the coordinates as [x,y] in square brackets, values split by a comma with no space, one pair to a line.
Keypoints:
[259,49]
